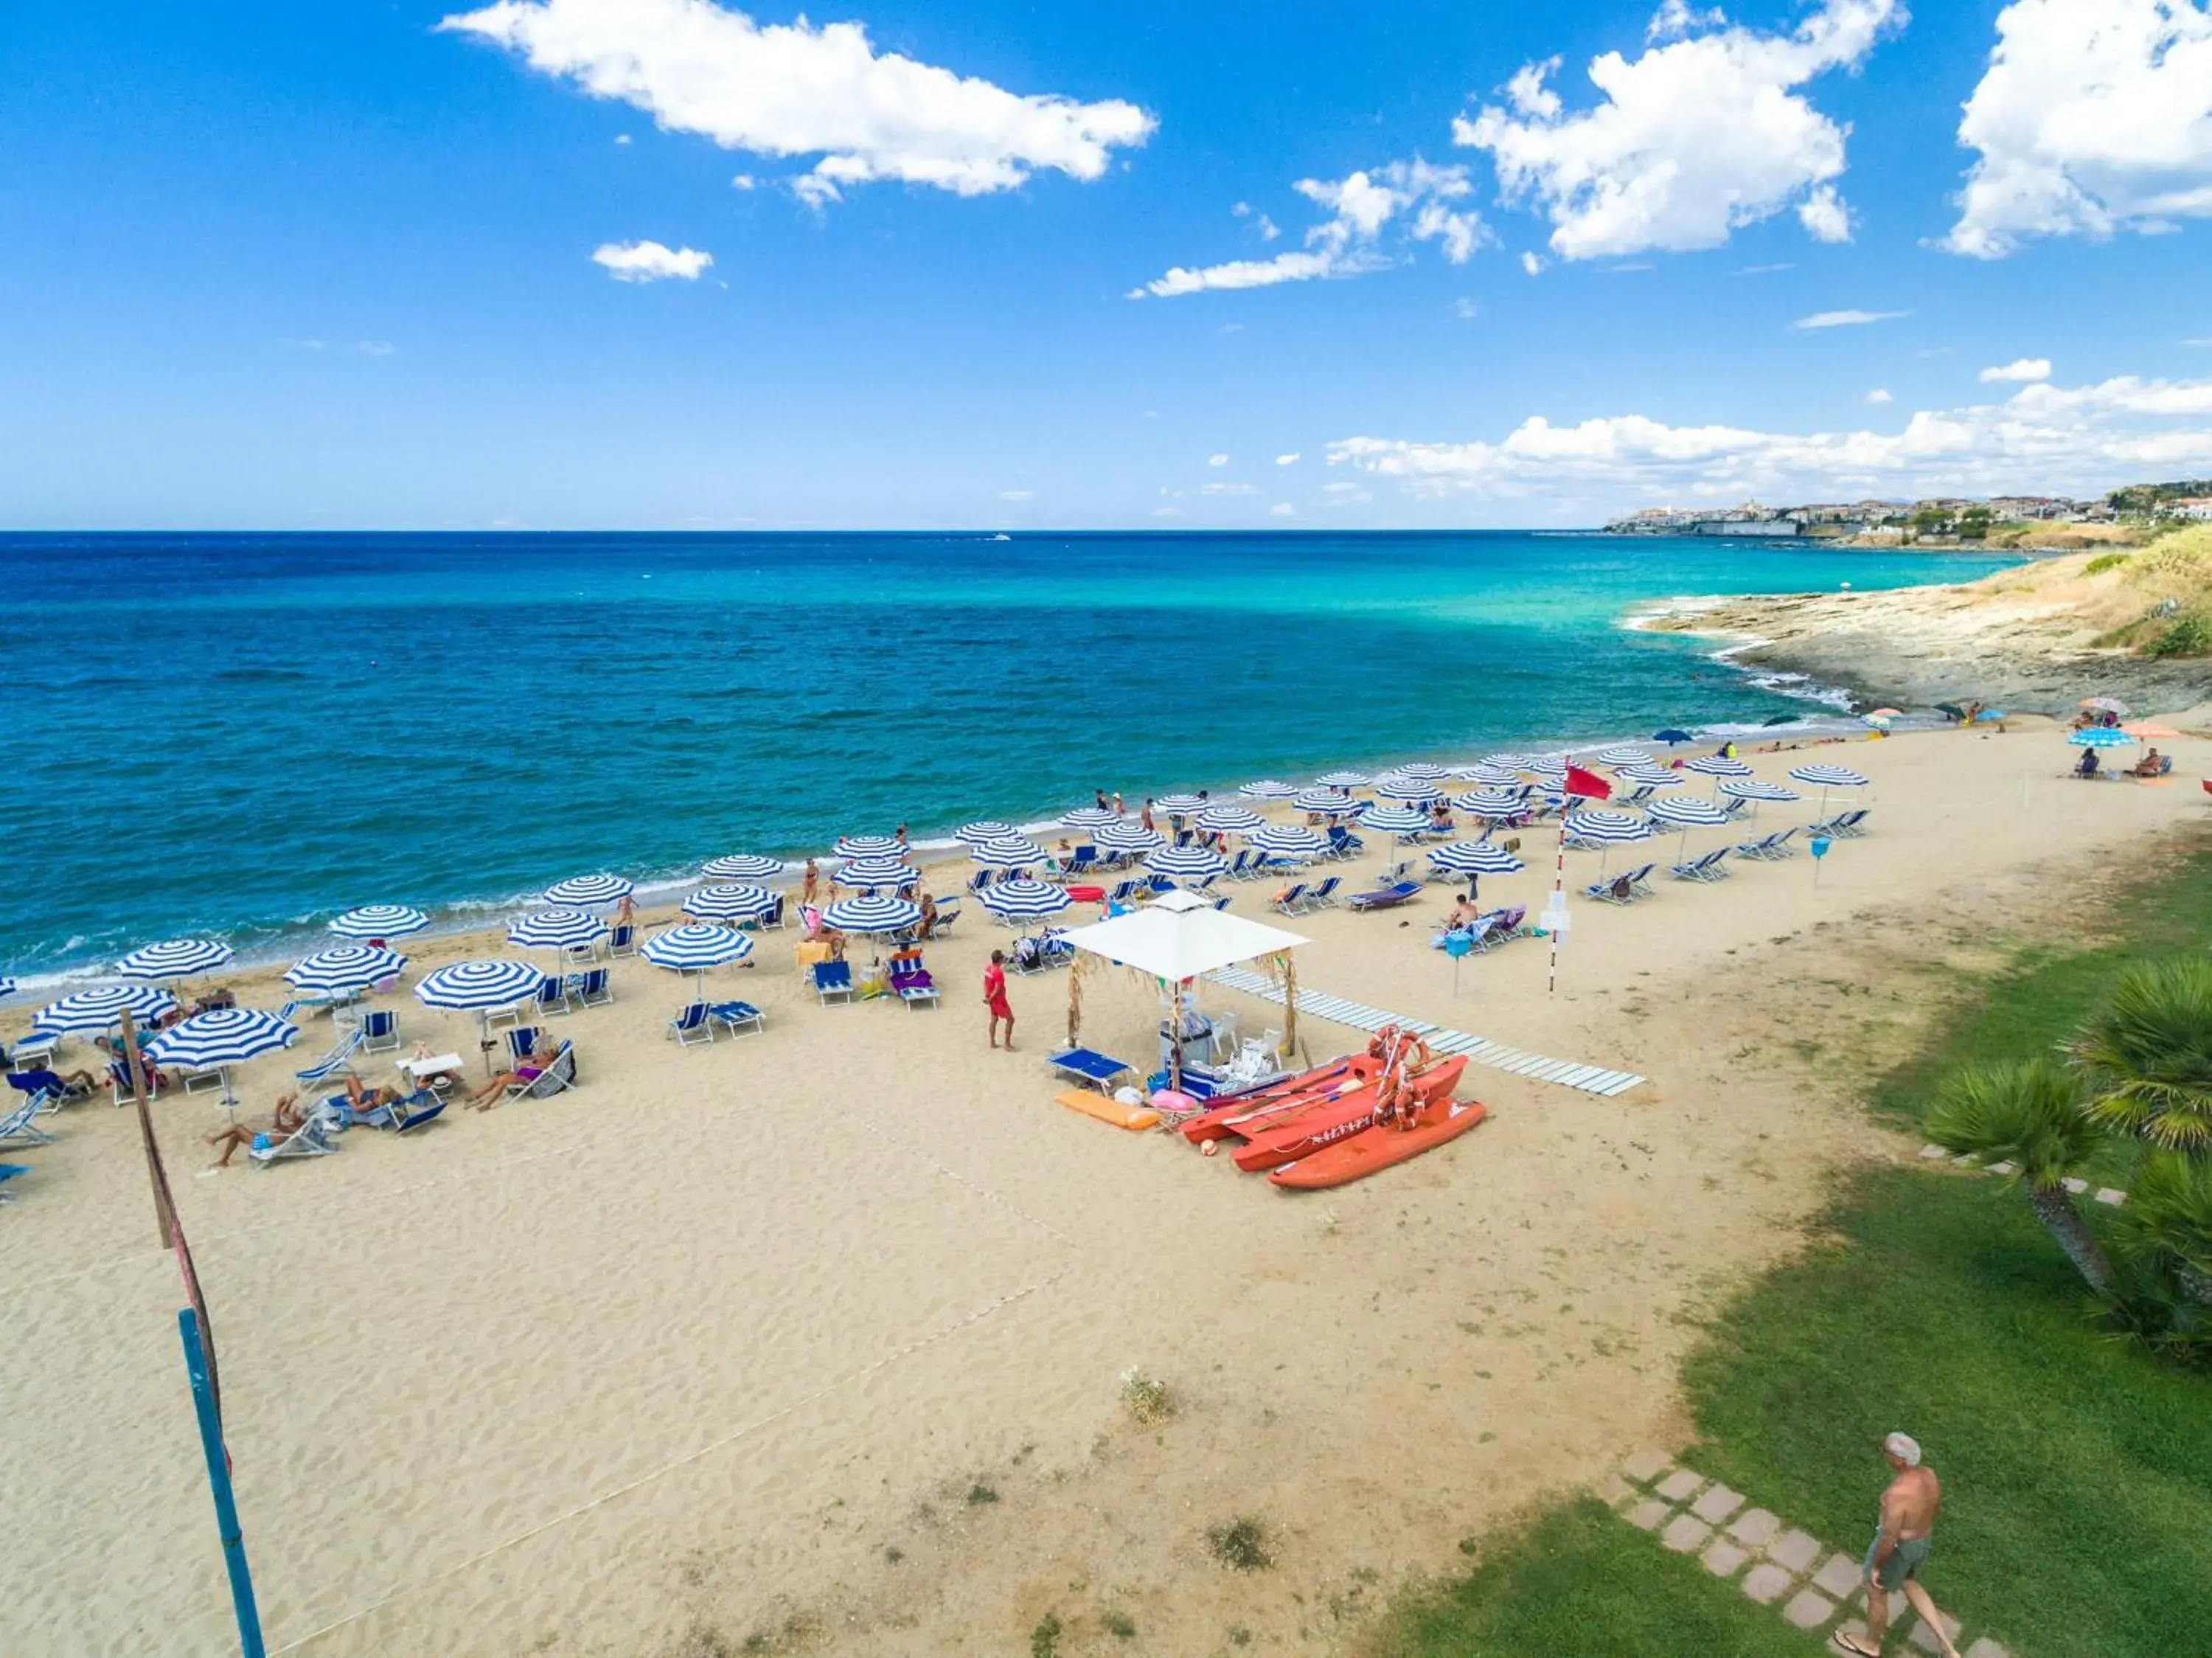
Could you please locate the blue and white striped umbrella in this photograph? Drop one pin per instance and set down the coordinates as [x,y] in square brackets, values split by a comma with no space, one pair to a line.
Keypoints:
[7,987]
[742,866]
[1492,803]
[1829,776]
[985,829]
[1516,764]
[379,921]
[1126,837]
[871,846]
[1622,754]
[733,901]
[1007,852]
[555,930]
[1268,789]
[1606,828]
[343,967]
[1186,863]
[873,915]
[1231,819]
[1490,775]
[2100,736]
[1689,812]
[174,958]
[1476,857]
[1550,768]
[1090,817]
[1420,771]
[1332,802]
[1341,780]
[875,872]
[477,984]
[1740,790]
[695,947]
[1024,898]
[1651,776]
[1179,806]
[581,892]
[98,1009]
[227,1036]
[1287,840]
[1416,791]
[1717,766]
[1394,819]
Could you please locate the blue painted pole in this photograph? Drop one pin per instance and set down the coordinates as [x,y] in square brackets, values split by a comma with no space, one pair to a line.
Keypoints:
[218,1463]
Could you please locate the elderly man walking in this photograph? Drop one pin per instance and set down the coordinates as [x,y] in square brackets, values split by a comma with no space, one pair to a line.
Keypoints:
[1900,1549]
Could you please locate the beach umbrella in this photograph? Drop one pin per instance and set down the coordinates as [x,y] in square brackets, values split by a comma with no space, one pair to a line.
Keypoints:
[732,901]
[1287,840]
[2106,705]
[100,1009]
[873,915]
[1412,791]
[695,947]
[986,829]
[1268,789]
[1554,772]
[7,987]
[1009,899]
[1491,803]
[1420,769]
[1751,789]
[1179,806]
[1341,780]
[1829,776]
[343,968]
[221,1038]
[1186,863]
[1650,775]
[1513,762]
[1672,735]
[1687,812]
[871,846]
[478,985]
[1332,802]
[1125,836]
[1491,776]
[2150,731]
[1090,817]
[1718,765]
[1007,852]
[173,957]
[1230,819]
[2093,737]
[742,866]
[1475,857]
[875,872]
[1879,722]
[1624,754]
[555,930]
[379,921]
[1394,819]
[1604,828]
[585,891]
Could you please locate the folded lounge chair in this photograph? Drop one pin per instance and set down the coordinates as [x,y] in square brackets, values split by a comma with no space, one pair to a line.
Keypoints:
[1089,1065]
[1384,898]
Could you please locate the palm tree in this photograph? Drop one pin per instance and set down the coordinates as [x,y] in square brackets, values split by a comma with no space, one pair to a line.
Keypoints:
[2169,1220]
[2148,1054]
[2030,1114]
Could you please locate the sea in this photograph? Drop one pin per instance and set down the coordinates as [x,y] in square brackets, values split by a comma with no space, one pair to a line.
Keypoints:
[237,736]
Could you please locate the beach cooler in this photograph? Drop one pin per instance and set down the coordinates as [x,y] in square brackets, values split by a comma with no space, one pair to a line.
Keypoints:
[1087,895]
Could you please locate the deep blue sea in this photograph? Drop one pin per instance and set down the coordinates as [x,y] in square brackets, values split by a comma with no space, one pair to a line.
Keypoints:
[239,734]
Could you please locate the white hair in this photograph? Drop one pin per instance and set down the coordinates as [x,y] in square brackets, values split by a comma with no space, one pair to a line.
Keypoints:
[1904,1448]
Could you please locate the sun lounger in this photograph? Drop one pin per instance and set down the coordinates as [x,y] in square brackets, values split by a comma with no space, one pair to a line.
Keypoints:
[1089,1065]
[311,1139]
[1619,890]
[690,1025]
[1845,825]
[833,981]
[35,1050]
[1343,844]
[1770,847]
[910,981]
[1706,866]
[557,1077]
[738,1017]
[380,1031]
[1290,901]
[948,911]
[591,989]
[1385,898]
[1323,897]
[20,1126]
[622,940]
[1639,879]
[410,1112]
[552,997]
[8,1172]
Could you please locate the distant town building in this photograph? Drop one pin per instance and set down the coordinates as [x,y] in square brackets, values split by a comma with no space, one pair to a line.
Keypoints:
[1830,518]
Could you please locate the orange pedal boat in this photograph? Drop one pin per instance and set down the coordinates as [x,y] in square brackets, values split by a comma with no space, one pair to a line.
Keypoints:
[1361,1154]
[1308,1130]
[1240,1114]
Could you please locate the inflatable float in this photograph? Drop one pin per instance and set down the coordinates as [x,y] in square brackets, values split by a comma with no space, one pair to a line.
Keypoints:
[1300,1133]
[1358,1155]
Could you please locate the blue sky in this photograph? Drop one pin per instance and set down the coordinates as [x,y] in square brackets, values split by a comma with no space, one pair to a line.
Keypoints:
[420,265]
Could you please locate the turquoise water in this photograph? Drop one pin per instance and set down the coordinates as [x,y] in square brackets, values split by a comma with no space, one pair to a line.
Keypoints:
[240,735]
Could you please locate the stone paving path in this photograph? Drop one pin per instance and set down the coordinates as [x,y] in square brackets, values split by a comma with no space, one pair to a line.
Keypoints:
[1770,1561]
[2104,1194]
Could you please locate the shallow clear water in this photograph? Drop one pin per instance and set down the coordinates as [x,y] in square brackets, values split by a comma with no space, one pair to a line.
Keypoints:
[241,733]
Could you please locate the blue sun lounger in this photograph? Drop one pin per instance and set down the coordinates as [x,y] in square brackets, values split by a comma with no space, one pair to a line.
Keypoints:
[1388,898]
[1089,1065]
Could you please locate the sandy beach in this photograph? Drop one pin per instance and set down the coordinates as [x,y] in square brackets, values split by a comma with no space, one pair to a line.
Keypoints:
[815,1336]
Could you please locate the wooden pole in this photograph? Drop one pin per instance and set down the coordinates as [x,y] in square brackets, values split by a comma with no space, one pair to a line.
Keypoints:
[165,1214]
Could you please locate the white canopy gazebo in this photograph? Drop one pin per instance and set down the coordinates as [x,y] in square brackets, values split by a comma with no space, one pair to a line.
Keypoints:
[1177,939]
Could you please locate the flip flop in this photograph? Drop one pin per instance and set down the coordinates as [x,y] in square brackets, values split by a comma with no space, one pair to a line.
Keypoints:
[1847,1644]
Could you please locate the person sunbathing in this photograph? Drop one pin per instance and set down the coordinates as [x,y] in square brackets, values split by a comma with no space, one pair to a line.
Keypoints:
[2088,766]
[284,1124]
[2152,765]
[364,1102]
[528,1069]
[73,1085]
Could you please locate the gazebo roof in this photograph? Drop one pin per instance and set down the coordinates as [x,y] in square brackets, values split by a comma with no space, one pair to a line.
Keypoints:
[1180,937]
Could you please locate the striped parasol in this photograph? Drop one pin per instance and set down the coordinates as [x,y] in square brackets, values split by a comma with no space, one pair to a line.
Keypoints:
[173,957]
[2098,736]
[1491,803]
[742,866]
[1186,863]
[872,914]
[1829,776]
[1516,764]
[581,892]
[1341,780]
[225,1036]
[695,947]
[1010,852]
[1651,776]
[1491,776]
[1180,806]
[1231,819]
[1268,789]
[1394,819]
[1090,817]
[869,872]
[1476,857]
[1420,771]
[379,921]
[98,1009]
[730,901]
[1741,788]
[555,930]
[1413,791]
[342,968]
[1330,802]
[871,846]
[1689,812]
[479,985]
[1551,768]
[1622,754]
[1599,828]
[1021,899]
[1125,836]
[1287,840]
[1717,766]
[985,829]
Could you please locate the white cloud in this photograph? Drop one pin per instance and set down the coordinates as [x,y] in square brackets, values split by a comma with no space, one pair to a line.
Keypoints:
[1847,319]
[1217,460]
[2024,370]
[622,137]
[1880,394]
[1290,460]
[745,182]
[2079,440]
[1283,509]
[796,90]
[651,261]
[1167,512]
[1267,227]
[1533,264]
[1417,198]
[1701,135]
[1016,494]
[2094,116]
[1466,309]
[1230,489]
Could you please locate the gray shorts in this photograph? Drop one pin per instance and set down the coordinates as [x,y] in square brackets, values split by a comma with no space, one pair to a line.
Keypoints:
[1904,1561]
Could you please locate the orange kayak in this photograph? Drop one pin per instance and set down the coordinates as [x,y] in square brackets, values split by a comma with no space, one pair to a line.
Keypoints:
[1286,1141]
[1361,1154]
[1233,1115]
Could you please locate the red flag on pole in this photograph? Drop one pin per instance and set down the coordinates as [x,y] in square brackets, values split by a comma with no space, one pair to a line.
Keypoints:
[1588,784]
